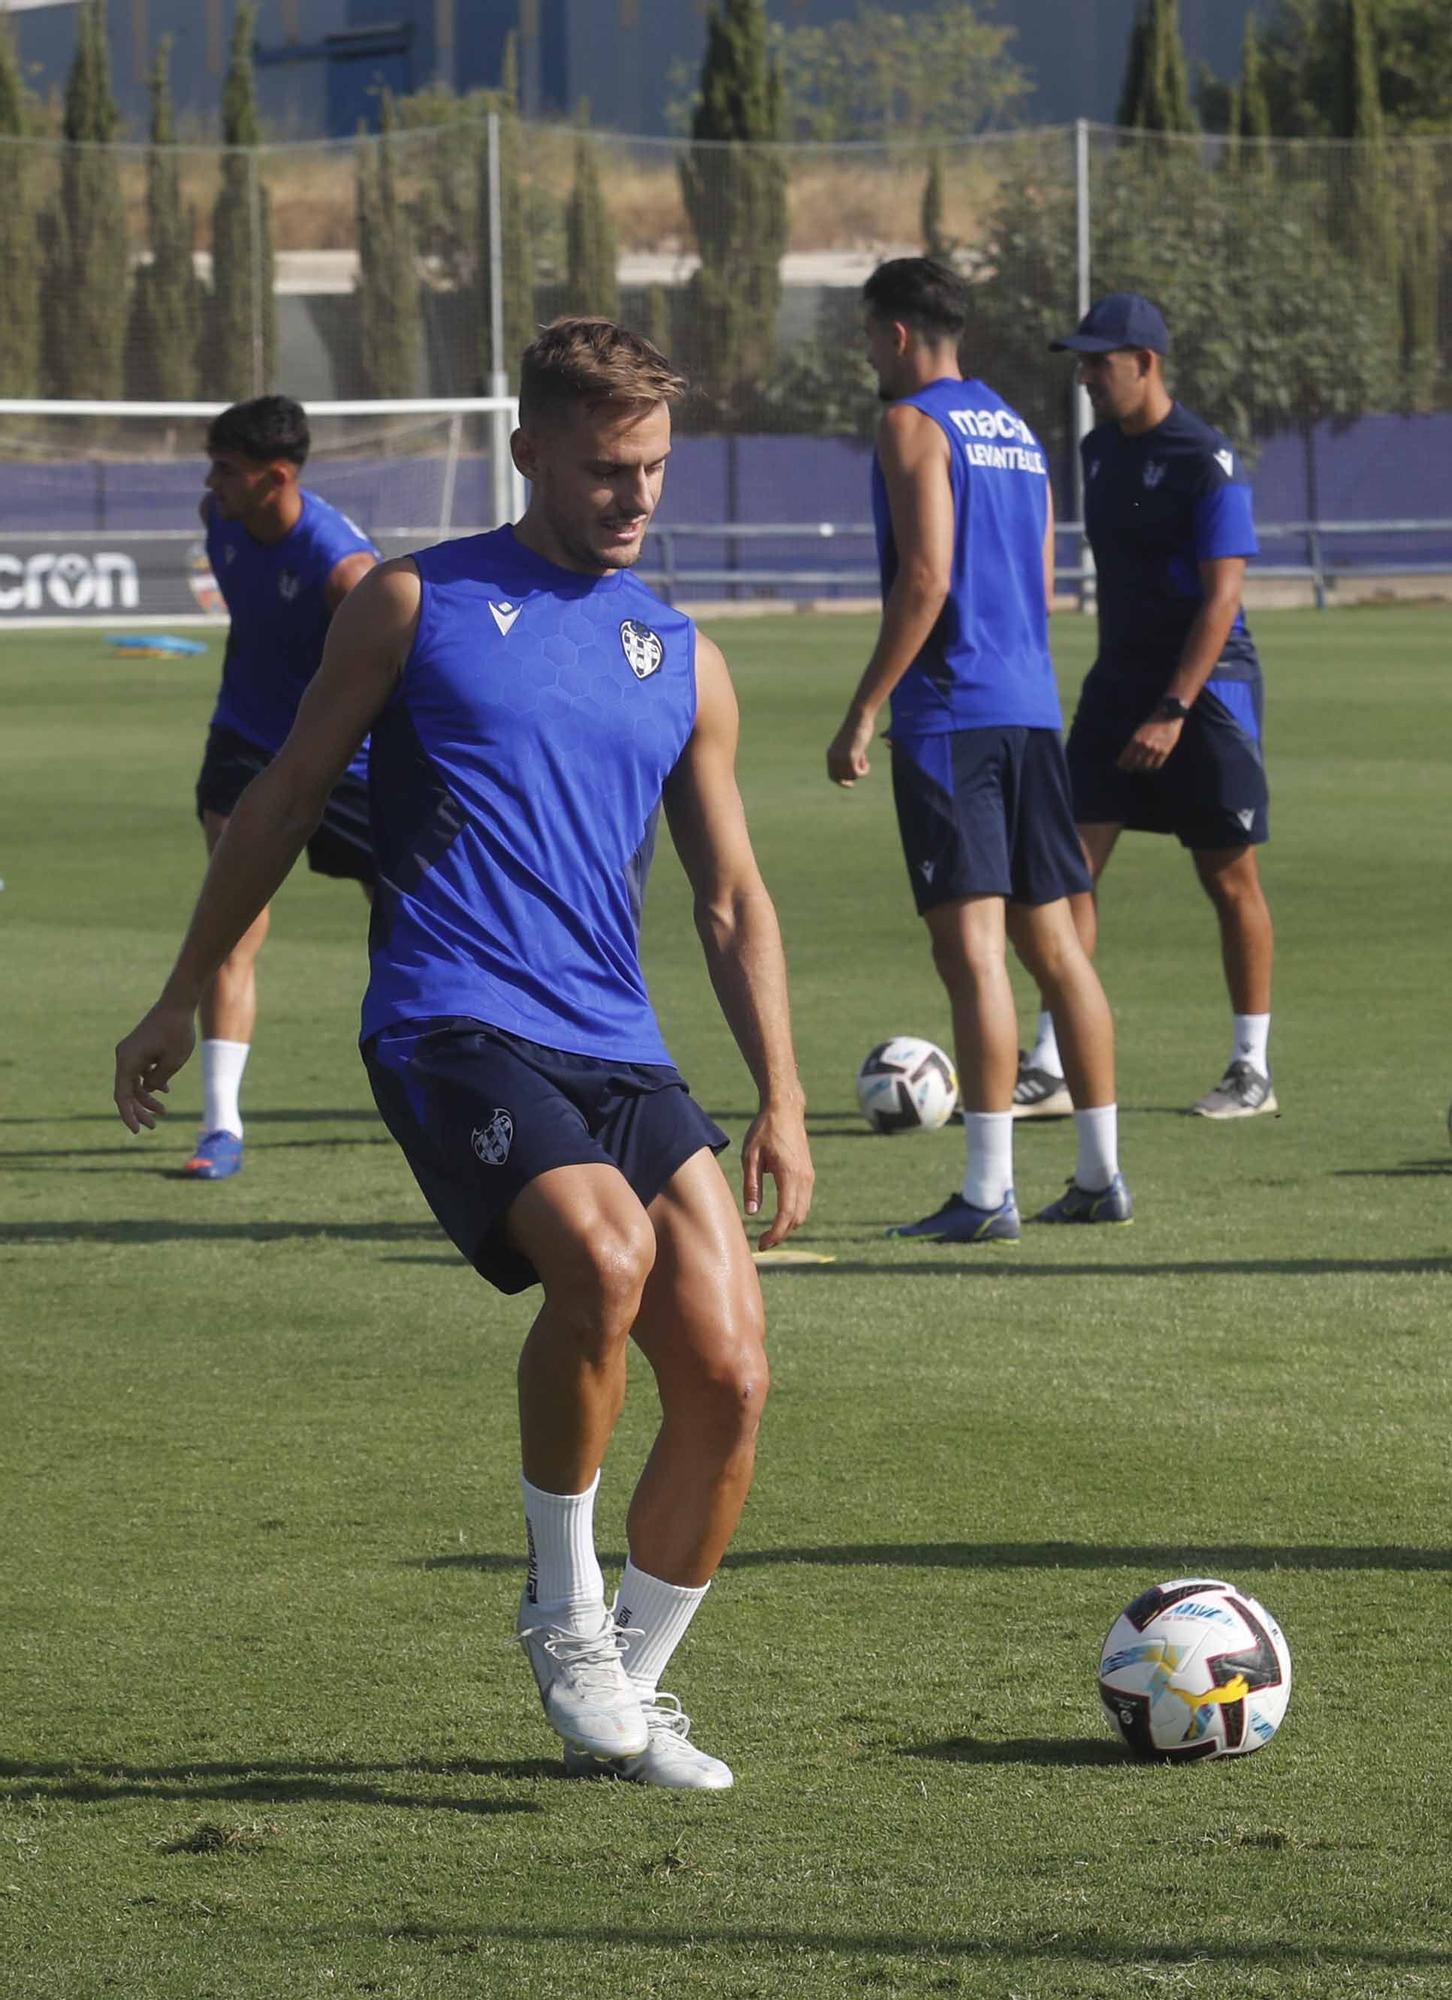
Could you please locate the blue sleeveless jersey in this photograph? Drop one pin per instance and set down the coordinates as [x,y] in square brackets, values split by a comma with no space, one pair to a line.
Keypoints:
[515,781]
[275,599]
[986,662]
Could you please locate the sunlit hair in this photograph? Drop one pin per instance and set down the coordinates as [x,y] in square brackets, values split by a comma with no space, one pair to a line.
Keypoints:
[921,293]
[265,429]
[594,362]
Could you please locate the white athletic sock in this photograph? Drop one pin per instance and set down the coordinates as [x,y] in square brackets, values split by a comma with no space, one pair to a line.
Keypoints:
[1098,1134]
[1045,1053]
[660,1613]
[1252,1034]
[564,1582]
[988,1174]
[222,1067]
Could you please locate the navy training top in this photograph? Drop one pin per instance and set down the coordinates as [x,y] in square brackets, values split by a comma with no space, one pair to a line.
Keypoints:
[276,598]
[514,783]
[1155,507]
[986,662]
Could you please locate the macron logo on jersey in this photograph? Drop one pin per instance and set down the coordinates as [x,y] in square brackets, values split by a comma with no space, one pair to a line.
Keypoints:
[1019,450]
[503,615]
[1226,461]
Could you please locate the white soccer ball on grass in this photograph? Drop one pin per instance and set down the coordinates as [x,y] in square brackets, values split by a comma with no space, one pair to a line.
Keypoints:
[1195,1668]
[907,1085]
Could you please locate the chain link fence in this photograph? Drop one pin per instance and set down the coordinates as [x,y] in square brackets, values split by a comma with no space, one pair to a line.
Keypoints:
[1308,284]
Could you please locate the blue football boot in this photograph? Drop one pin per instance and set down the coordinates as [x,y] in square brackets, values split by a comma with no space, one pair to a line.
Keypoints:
[217,1158]
[1077,1204]
[958,1221]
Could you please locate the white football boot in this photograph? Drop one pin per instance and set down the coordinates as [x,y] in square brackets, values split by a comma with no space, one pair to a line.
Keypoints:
[587,1695]
[669,1758]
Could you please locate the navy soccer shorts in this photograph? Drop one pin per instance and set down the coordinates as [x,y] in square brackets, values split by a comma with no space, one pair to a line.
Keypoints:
[341,846]
[480,1114]
[985,812]
[1211,792]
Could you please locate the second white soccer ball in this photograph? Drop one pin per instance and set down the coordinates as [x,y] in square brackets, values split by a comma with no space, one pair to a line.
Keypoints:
[1195,1668]
[907,1085]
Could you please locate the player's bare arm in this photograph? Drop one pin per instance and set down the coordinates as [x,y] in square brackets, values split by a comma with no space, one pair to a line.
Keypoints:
[347,575]
[367,645]
[913,453]
[741,938]
[1222,580]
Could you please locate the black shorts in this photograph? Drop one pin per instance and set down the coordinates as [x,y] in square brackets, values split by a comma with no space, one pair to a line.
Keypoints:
[341,846]
[1211,791]
[480,1114]
[985,812]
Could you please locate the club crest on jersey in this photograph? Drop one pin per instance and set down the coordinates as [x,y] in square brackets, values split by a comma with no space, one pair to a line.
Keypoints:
[492,1142]
[642,648]
[288,585]
[1154,472]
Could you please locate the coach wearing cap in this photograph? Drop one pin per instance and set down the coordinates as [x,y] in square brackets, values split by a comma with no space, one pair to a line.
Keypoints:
[1167,737]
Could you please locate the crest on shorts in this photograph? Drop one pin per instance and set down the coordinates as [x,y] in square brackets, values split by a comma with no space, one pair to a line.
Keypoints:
[492,1142]
[642,648]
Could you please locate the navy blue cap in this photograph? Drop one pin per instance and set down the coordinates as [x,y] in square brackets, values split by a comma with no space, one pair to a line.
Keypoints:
[1123,319]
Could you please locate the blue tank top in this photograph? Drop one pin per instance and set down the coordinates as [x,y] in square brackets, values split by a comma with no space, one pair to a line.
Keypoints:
[986,662]
[275,598]
[515,781]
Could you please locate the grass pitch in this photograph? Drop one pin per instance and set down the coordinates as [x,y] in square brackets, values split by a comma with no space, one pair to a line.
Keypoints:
[263,1730]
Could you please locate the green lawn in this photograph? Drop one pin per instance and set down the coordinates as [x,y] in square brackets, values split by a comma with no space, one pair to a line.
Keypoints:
[263,1732]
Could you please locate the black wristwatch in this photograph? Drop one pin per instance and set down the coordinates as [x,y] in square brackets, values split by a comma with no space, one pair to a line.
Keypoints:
[1171,709]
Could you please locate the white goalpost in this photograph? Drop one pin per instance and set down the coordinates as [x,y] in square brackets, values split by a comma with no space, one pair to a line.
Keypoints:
[98,500]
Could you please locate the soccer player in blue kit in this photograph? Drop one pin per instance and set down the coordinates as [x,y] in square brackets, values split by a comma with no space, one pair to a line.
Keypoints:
[531,707]
[965,537]
[1167,737]
[284,561]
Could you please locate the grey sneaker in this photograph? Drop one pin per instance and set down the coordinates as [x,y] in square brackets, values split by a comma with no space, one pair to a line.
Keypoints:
[587,1695]
[669,1759]
[1039,1093]
[1241,1093]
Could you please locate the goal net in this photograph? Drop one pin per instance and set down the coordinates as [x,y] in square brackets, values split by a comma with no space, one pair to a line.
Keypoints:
[98,501]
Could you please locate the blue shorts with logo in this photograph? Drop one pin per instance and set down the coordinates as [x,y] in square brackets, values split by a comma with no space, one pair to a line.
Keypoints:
[480,1114]
[985,812]
[1211,791]
[342,844]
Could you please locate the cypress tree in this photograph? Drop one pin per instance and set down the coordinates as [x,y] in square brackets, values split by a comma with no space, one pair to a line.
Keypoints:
[734,185]
[518,262]
[656,319]
[1421,261]
[1254,121]
[1168,100]
[936,242]
[19,246]
[388,289]
[591,250]
[1368,219]
[86,283]
[242,347]
[166,308]
[1131,91]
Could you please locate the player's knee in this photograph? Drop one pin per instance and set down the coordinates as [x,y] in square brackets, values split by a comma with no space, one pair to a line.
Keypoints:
[597,1281]
[965,964]
[731,1390]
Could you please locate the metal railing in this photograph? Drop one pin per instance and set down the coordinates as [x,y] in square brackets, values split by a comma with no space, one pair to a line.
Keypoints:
[663,568]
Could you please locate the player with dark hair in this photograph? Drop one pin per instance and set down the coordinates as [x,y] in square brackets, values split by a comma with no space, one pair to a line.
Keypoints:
[1167,737]
[532,707]
[284,561]
[965,535]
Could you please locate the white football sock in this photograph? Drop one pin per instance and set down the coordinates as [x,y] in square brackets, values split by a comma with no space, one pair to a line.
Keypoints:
[660,1613]
[1098,1135]
[564,1582]
[222,1067]
[1252,1034]
[988,1175]
[1045,1053]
